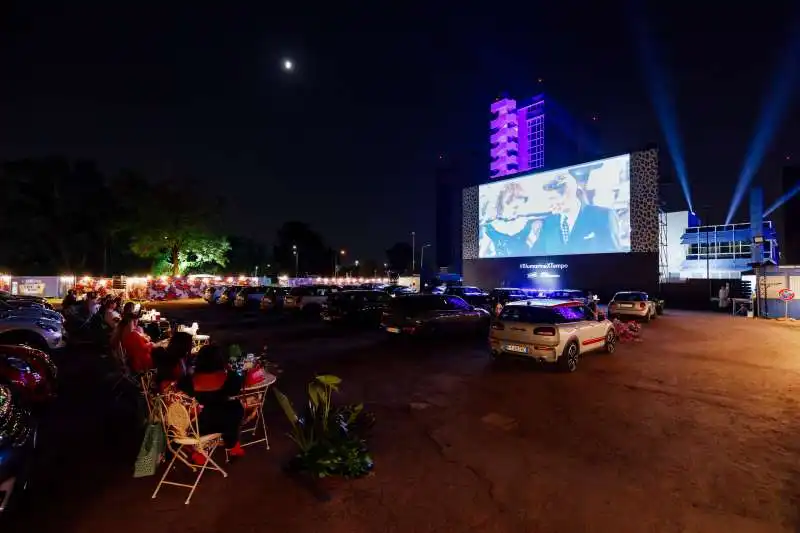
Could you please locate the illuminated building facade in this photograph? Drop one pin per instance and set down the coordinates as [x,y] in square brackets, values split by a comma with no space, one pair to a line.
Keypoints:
[516,136]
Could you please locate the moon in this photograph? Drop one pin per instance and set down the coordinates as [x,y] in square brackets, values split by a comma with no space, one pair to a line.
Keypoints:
[287,65]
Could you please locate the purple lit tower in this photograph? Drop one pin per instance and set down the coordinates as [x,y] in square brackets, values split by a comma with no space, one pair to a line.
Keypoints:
[516,136]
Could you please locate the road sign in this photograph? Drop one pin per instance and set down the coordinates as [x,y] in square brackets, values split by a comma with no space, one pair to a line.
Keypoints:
[786,294]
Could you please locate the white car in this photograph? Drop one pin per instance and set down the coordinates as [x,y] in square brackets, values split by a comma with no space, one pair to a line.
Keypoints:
[633,304]
[37,332]
[309,298]
[551,331]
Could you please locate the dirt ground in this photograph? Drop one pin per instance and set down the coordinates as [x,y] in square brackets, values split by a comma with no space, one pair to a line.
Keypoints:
[691,429]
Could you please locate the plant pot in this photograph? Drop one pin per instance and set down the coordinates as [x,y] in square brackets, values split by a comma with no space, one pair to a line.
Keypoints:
[324,489]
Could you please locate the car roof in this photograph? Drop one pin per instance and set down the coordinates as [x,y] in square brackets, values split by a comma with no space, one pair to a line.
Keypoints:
[544,302]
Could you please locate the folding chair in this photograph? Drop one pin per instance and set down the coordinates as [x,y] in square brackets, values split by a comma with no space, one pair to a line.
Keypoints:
[252,398]
[146,381]
[182,431]
[125,377]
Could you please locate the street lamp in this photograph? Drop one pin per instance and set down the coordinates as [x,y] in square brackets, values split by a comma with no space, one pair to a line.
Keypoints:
[336,262]
[413,251]
[296,261]
[422,257]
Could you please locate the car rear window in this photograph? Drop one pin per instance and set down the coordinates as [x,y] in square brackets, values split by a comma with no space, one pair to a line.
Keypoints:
[300,291]
[532,314]
[418,303]
[631,296]
[542,315]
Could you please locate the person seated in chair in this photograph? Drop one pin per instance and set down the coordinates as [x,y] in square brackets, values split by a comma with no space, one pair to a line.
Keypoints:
[214,386]
[136,344]
[171,362]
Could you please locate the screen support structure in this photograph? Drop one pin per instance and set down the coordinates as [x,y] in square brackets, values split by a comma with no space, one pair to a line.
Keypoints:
[663,248]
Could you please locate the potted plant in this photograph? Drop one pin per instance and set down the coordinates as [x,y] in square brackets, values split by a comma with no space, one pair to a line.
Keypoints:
[330,440]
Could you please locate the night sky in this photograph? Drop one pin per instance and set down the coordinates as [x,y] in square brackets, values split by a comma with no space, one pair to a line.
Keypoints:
[350,140]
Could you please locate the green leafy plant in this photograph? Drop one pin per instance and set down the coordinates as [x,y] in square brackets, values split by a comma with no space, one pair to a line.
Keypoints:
[327,444]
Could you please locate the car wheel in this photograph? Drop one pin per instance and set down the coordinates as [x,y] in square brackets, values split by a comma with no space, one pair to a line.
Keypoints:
[568,362]
[611,342]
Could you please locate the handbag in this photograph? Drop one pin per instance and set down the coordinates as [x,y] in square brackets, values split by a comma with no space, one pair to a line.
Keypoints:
[151,451]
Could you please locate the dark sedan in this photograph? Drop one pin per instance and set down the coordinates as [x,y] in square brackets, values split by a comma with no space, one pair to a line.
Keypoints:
[472,295]
[359,307]
[433,314]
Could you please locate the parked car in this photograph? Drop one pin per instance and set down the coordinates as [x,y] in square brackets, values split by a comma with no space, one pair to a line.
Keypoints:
[18,430]
[309,298]
[358,307]
[212,293]
[36,332]
[228,295]
[433,314]
[472,295]
[499,297]
[565,295]
[551,331]
[24,300]
[249,297]
[632,304]
[30,372]
[273,298]
[397,290]
[30,310]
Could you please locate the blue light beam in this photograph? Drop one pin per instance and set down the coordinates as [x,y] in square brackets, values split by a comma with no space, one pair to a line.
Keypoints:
[656,80]
[772,110]
[783,199]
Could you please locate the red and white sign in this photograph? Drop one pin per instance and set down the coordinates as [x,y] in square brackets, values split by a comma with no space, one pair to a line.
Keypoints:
[786,294]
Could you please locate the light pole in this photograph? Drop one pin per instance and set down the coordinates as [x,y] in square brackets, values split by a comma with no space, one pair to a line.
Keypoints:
[336,262]
[296,261]
[422,257]
[413,251]
[385,269]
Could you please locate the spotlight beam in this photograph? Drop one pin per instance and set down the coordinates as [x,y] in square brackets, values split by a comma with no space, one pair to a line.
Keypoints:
[657,82]
[773,108]
[783,199]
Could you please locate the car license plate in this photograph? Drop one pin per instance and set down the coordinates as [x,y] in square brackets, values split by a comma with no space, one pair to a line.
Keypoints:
[393,330]
[516,348]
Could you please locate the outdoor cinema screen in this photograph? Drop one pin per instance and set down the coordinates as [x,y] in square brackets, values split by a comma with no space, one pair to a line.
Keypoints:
[582,209]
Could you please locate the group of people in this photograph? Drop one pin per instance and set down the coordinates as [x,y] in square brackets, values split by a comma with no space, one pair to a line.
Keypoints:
[206,378]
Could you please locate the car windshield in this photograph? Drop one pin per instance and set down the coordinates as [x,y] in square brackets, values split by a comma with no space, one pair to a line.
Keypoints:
[418,303]
[631,297]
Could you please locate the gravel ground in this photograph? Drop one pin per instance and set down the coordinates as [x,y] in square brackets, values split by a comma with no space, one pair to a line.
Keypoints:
[690,429]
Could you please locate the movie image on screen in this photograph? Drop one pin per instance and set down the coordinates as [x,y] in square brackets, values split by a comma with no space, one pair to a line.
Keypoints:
[582,209]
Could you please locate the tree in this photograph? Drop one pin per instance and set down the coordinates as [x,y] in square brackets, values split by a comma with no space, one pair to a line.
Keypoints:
[174,228]
[400,257]
[54,217]
[313,257]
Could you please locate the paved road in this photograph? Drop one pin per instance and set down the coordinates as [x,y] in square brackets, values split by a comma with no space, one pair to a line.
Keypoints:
[691,429]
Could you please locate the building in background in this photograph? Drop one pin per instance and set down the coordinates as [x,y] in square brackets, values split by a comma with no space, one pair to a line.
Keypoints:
[516,136]
[724,251]
[790,180]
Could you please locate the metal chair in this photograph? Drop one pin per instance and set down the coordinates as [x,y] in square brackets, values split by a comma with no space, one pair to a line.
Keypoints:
[252,399]
[182,430]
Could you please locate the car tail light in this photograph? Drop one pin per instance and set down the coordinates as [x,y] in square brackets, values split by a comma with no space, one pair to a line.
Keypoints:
[545,332]
[641,305]
[498,325]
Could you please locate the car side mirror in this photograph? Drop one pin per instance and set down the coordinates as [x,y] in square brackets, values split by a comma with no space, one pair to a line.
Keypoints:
[601,317]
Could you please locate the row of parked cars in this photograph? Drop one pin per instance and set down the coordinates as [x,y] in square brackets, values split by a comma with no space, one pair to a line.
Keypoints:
[29,330]
[307,299]
[549,326]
